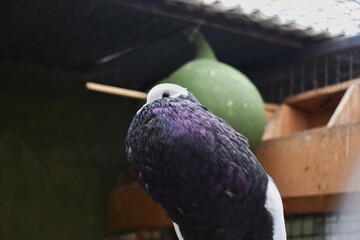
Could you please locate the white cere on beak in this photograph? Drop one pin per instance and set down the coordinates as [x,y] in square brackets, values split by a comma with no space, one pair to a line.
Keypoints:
[164,90]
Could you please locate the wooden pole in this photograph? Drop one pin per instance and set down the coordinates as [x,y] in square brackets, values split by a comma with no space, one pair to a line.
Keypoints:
[116,90]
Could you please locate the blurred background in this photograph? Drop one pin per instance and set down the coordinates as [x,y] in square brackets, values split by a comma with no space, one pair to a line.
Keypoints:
[63,169]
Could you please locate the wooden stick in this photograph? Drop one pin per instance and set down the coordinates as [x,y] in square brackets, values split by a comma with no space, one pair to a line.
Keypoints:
[115,90]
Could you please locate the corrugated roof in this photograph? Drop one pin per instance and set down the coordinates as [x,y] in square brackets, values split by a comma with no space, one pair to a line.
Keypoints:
[135,43]
[256,16]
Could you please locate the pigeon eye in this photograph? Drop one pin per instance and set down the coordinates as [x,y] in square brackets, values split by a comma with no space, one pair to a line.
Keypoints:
[165,95]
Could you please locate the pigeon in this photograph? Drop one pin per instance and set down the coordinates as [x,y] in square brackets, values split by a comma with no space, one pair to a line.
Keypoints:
[201,171]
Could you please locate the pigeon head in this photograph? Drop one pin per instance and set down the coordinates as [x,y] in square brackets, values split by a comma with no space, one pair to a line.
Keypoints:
[166,90]
[167,93]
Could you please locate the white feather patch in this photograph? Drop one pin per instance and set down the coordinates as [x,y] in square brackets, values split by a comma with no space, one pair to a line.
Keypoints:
[274,205]
[172,90]
[177,230]
[156,92]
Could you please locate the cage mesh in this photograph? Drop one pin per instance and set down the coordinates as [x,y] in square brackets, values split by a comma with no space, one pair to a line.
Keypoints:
[279,82]
[329,226]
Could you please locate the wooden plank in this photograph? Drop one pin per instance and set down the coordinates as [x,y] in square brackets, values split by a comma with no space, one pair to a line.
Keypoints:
[311,204]
[127,177]
[289,120]
[270,110]
[130,208]
[322,203]
[313,163]
[285,121]
[320,118]
[348,109]
[321,99]
[327,106]
[272,107]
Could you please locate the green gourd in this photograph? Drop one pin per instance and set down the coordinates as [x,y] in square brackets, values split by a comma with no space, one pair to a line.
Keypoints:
[224,90]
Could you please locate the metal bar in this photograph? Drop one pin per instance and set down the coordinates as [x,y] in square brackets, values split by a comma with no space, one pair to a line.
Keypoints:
[338,68]
[302,81]
[314,51]
[272,94]
[291,85]
[351,61]
[315,82]
[330,47]
[216,22]
[326,70]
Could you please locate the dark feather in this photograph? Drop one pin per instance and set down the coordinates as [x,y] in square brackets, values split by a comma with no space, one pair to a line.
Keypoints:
[200,170]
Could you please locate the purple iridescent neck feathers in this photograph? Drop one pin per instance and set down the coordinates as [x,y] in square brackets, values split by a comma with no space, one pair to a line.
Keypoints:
[198,168]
